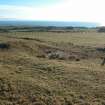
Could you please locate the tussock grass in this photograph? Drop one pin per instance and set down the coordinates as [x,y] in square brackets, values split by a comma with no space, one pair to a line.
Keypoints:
[27,79]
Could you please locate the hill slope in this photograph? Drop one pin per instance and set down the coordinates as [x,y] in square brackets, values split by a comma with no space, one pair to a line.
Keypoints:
[36,72]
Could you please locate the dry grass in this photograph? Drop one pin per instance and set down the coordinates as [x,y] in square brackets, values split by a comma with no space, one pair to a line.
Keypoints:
[27,79]
[78,38]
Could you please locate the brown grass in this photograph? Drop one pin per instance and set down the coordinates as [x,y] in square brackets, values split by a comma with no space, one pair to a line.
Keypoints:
[29,77]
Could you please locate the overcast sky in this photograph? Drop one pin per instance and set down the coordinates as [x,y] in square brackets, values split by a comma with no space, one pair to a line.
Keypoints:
[56,10]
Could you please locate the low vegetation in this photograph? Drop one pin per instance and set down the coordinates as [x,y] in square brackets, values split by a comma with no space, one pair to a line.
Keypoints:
[101,29]
[51,68]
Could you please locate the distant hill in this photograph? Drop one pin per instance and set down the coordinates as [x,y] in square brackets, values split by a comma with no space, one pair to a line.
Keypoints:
[13,22]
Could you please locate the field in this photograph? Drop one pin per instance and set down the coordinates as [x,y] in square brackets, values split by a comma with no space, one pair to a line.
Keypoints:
[52,68]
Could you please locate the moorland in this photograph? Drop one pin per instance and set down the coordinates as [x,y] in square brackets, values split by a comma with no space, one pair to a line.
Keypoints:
[52,66]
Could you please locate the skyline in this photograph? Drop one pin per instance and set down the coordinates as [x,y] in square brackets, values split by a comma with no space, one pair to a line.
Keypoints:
[54,10]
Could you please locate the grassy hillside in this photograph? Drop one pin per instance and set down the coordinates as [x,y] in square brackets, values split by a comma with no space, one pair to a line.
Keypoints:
[78,38]
[48,68]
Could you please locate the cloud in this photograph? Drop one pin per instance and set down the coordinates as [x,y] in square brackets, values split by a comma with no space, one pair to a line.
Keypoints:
[68,10]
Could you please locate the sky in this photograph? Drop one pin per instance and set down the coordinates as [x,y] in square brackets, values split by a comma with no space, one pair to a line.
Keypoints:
[54,10]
